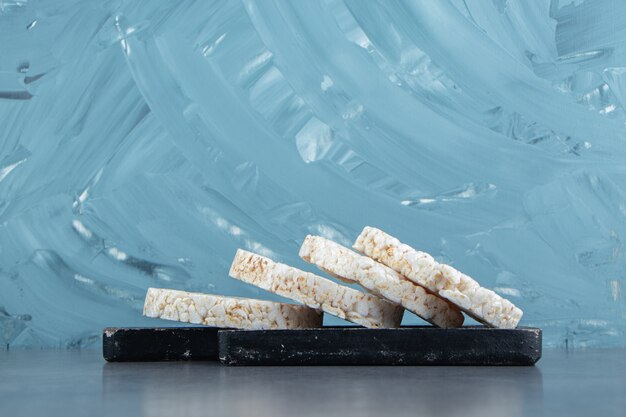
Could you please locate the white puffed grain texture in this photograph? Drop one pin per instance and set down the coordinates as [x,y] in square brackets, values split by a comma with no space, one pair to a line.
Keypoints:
[480,303]
[316,292]
[380,280]
[230,312]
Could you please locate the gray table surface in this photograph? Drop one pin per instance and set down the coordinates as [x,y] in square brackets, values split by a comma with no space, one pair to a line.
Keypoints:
[81,383]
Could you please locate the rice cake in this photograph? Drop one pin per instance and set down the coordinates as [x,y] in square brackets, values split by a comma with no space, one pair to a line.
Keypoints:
[478,302]
[230,312]
[316,292]
[380,280]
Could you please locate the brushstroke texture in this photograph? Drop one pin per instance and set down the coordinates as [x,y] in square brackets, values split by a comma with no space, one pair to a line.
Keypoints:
[143,142]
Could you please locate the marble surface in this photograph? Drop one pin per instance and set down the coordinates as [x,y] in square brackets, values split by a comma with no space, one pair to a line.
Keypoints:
[79,383]
[143,142]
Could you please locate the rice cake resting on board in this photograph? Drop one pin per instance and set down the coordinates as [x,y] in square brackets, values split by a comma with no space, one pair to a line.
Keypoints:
[228,312]
[380,280]
[478,302]
[316,292]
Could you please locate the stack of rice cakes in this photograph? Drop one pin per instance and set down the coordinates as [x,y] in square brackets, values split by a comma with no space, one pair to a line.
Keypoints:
[393,276]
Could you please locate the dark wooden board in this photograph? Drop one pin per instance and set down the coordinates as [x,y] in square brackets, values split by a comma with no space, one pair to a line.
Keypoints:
[159,344]
[411,345]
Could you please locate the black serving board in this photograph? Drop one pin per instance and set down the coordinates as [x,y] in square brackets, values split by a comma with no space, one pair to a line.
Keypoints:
[411,345]
[349,345]
[159,344]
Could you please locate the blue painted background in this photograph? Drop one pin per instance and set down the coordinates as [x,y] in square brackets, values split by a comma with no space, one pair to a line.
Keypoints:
[141,143]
